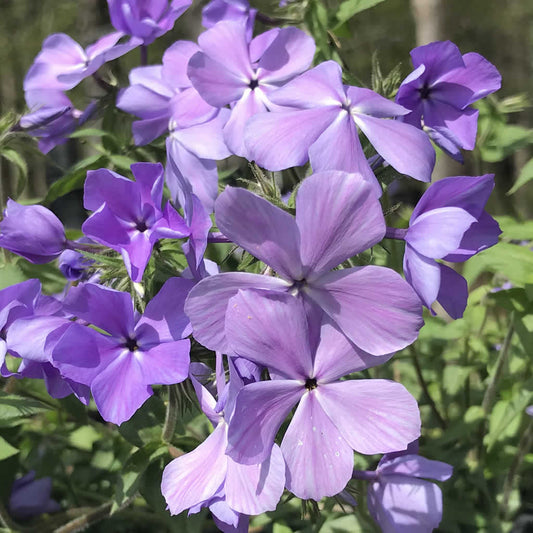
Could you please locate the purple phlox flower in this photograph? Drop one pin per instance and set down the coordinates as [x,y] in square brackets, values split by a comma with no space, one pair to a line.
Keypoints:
[233,70]
[146,19]
[337,217]
[400,499]
[52,117]
[208,477]
[306,359]
[30,497]
[134,352]
[235,10]
[164,99]
[440,90]
[74,265]
[63,63]
[33,232]
[448,223]
[30,325]
[323,125]
[128,216]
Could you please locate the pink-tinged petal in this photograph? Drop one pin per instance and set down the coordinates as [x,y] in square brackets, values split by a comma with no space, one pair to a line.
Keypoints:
[250,104]
[187,173]
[318,87]
[120,388]
[338,217]
[190,109]
[372,415]
[261,42]
[416,466]
[136,254]
[339,148]
[461,123]
[423,274]
[368,102]
[277,141]
[260,410]
[227,44]
[214,82]
[404,147]
[166,363]
[256,489]
[290,53]
[480,76]
[119,193]
[373,306]
[261,228]
[196,476]
[453,292]
[206,140]
[270,330]
[164,319]
[82,353]
[439,232]
[319,460]
[175,61]
[405,505]
[336,356]
[439,58]
[34,337]
[207,302]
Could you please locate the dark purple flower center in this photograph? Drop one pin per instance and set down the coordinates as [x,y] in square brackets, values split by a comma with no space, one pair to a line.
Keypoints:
[310,383]
[253,84]
[141,226]
[425,91]
[131,344]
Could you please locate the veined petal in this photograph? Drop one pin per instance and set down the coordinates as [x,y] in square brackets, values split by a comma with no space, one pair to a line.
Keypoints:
[261,228]
[207,302]
[373,306]
[319,460]
[403,146]
[423,274]
[372,415]
[196,476]
[338,217]
[260,409]
[270,329]
[256,489]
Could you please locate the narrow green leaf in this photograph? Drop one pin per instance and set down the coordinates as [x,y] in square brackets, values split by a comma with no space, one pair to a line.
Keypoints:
[6,450]
[525,176]
[90,132]
[14,407]
[349,8]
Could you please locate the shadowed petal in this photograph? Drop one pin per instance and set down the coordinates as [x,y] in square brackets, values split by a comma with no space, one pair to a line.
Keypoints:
[453,292]
[372,415]
[319,461]
[416,466]
[423,274]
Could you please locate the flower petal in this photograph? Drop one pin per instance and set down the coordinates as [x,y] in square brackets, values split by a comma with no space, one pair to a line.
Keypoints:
[423,274]
[453,292]
[416,466]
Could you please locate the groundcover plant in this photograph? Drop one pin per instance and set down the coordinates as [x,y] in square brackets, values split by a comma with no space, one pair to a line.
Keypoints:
[252,331]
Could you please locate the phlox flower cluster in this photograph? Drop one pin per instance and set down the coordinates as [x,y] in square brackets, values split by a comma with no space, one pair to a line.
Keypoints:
[293,339]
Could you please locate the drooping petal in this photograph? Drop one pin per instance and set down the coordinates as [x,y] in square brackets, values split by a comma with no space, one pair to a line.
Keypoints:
[136,254]
[256,489]
[373,306]
[453,292]
[439,232]
[416,466]
[319,460]
[404,147]
[338,217]
[270,329]
[373,416]
[281,140]
[207,302]
[264,230]
[423,274]
[196,476]
[260,410]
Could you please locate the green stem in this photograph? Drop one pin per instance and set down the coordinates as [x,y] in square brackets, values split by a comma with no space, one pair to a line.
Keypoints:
[423,384]
[171,416]
[84,521]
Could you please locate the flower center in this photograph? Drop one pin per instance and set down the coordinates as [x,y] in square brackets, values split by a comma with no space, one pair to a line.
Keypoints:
[425,91]
[253,84]
[141,226]
[131,344]
[310,383]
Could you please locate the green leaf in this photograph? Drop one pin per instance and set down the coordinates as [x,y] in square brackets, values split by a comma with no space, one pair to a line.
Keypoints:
[515,230]
[14,157]
[526,175]
[349,8]
[504,141]
[90,132]
[122,162]
[75,177]
[84,438]
[145,424]
[13,408]
[10,274]
[6,450]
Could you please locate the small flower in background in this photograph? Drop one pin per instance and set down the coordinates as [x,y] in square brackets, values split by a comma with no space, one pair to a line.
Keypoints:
[236,10]
[440,90]
[30,497]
